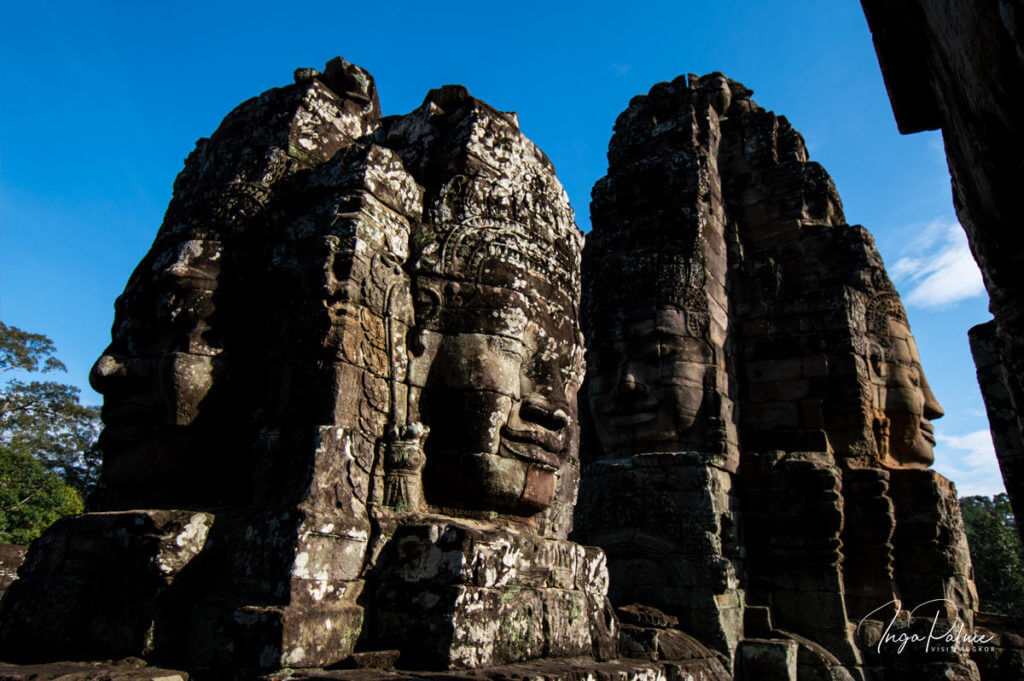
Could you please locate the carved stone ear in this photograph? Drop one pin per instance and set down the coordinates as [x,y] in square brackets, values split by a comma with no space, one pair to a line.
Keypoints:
[414,340]
[877,365]
[427,304]
[880,428]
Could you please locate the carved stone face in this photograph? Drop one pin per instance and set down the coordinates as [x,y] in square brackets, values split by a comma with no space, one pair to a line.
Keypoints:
[501,407]
[906,399]
[159,369]
[646,395]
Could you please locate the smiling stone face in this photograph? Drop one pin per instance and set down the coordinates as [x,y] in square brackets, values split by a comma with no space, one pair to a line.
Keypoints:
[500,398]
[904,396]
[904,403]
[652,359]
[496,349]
[648,382]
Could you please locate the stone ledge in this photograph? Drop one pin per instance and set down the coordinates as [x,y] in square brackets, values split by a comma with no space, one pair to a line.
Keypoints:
[129,669]
[567,669]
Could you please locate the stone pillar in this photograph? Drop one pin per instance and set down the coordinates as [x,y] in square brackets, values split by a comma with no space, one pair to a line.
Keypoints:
[657,491]
[932,560]
[957,67]
[867,537]
[1001,400]
[674,549]
[793,524]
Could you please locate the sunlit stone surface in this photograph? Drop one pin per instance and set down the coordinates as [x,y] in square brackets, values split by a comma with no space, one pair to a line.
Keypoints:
[342,428]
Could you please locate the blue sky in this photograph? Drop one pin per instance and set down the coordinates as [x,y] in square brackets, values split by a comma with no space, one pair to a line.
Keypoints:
[102,101]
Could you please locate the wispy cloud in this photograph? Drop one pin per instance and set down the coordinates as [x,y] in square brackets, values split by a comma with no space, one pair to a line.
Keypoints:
[942,271]
[969,460]
[937,147]
[620,69]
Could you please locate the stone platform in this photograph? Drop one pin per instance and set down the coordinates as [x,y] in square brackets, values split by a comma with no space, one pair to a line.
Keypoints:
[449,595]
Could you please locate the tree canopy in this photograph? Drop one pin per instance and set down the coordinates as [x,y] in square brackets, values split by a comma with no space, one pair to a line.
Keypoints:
[48,462]
[31,497]
[995,552]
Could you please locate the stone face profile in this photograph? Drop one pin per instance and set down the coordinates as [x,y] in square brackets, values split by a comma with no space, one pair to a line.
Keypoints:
[904,402]
[172,375]
[342,428]
[159,374]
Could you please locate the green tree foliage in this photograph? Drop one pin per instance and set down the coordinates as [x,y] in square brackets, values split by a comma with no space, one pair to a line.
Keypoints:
[996,553]
[31,497]
[48,462]
[45,417]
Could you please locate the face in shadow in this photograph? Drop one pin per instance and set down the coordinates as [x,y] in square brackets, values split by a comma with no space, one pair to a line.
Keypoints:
[159,370]
[905,398]
[501,404]
[647,385]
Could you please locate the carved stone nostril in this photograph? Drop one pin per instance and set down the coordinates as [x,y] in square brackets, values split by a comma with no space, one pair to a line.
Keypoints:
[107,366]
[541,413]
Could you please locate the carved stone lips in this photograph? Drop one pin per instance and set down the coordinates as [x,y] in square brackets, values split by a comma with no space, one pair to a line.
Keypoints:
[124,434]
[536,447]
[127,421]
[630,417]
[127,413]
[928,431]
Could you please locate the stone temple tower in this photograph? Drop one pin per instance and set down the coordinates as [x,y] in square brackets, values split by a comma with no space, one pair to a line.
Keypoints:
[756,422]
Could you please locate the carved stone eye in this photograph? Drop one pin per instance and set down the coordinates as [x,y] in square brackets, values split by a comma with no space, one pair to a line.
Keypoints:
[506,346]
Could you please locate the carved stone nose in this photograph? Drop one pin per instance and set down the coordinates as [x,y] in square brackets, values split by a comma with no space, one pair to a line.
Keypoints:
[932,409]
[107,367]
[629,386]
